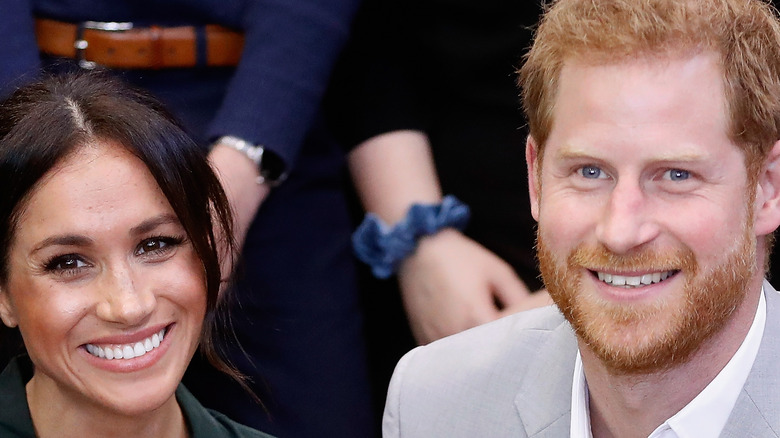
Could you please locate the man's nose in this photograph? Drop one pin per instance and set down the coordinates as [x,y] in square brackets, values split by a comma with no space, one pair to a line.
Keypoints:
[124,299]
[628,219]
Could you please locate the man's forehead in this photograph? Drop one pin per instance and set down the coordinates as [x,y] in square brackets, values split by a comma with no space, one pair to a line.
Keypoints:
[648,100]
[642,60]
[641,83]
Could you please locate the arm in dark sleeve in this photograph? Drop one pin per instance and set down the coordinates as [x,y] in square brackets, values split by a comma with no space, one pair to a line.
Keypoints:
[18,50]
[377,85]
[291,47]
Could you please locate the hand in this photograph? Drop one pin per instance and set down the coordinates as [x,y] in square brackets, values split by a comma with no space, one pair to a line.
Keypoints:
[452,283]
[540,298]
[238,175]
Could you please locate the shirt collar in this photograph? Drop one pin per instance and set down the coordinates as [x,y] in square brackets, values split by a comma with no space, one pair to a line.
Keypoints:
[707,413]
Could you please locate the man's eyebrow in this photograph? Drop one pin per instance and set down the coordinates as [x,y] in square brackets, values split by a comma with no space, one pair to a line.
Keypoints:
[568,152]
[152,223]
[572,152]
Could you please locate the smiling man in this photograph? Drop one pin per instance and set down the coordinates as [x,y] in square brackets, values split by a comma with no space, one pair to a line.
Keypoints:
[654,175]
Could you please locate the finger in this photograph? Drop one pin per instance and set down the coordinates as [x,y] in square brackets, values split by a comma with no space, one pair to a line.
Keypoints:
[508,288]
[533,301]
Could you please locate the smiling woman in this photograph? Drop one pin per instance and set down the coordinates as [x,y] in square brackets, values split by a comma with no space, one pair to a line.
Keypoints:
[111,224]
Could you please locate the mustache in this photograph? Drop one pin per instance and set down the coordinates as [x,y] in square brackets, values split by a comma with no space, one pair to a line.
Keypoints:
[599,258]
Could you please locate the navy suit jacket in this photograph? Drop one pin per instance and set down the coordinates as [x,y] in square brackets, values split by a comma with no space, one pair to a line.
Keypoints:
[275,93]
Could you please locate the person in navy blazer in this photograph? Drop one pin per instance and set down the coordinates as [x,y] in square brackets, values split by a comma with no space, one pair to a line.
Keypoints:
[296,314]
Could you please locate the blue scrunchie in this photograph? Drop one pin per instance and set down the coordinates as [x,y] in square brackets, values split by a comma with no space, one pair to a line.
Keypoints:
[384,248]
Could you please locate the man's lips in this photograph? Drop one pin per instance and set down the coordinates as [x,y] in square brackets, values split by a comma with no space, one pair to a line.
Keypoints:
[629,281]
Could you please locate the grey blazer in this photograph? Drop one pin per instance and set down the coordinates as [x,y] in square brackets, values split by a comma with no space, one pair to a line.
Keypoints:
[513,377]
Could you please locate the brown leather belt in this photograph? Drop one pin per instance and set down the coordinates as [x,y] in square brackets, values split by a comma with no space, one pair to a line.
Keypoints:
[139,48]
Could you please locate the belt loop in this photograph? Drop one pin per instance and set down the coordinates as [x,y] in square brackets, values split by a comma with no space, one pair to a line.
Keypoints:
[81,47]
[201,46]
[157,55]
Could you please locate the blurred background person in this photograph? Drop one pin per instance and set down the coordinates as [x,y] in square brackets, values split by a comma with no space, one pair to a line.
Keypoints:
[426,96]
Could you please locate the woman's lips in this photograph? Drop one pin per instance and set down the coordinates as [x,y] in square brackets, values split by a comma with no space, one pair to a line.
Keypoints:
[127,351]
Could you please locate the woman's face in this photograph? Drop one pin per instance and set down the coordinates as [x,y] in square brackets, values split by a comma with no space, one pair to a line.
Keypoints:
[101,268]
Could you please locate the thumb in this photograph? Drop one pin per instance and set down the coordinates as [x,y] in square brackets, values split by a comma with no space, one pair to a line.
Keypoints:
[508,289]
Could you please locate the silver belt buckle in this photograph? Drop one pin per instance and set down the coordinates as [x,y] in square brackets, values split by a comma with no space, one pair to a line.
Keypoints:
[81,44]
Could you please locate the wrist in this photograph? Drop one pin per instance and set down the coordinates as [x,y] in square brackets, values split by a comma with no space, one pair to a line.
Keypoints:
[270,167]
[384,248]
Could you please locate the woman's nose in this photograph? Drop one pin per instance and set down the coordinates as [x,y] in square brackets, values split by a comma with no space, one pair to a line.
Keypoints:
[124,299]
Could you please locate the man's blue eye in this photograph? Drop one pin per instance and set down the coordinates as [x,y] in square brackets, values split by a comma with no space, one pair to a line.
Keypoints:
[591,172]
[678,175]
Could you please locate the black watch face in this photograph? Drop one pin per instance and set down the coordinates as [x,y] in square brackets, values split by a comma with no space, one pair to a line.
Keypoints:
[272,167]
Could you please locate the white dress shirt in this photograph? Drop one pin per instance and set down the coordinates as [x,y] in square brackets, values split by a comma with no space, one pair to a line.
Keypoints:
[706,415]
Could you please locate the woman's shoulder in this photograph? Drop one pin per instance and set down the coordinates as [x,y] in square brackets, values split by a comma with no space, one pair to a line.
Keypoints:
[207,423]
[234,429]
[15,418]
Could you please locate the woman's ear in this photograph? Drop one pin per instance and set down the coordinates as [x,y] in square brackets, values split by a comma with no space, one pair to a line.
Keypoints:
[767,202]
[7,313]
[532,164]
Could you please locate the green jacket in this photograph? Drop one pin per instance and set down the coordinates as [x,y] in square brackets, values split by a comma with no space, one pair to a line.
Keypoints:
[16,422]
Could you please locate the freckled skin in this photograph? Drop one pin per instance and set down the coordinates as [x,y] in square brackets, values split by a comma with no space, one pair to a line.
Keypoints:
[124,275]
[611,186]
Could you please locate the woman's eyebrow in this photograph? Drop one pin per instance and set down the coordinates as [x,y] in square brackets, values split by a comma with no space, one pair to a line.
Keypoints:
[154,222]
[64,240]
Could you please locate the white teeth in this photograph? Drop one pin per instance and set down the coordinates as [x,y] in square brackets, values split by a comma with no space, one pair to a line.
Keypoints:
[633,281]
[128,351]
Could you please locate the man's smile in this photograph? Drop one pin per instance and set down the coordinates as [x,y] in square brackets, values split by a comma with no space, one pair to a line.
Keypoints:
[629,281]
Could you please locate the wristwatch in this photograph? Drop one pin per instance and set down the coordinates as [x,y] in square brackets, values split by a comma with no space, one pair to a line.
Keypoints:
[270,166]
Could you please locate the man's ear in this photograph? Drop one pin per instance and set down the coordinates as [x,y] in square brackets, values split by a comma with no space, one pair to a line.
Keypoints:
[7,313]
[767,203]
[534,175]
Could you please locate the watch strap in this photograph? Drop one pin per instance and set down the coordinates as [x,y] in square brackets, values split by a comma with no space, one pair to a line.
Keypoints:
[270,167]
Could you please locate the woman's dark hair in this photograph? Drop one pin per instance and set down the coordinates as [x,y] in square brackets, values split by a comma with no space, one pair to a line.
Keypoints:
[45,122]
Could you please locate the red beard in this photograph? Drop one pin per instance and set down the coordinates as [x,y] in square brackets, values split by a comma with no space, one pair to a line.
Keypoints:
[648,337]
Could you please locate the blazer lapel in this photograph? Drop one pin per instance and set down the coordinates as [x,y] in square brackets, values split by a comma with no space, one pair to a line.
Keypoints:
[757,411]
[544,398]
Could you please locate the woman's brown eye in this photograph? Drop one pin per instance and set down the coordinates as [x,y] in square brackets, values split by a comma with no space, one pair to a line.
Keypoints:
[151,245]
[65,262]
[158,245]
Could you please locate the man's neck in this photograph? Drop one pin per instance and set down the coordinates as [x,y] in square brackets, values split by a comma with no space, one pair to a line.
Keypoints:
[634,405]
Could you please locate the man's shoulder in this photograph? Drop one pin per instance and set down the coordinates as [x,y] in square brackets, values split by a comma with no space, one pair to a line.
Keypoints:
[502,346]
[497,339]
[470,381]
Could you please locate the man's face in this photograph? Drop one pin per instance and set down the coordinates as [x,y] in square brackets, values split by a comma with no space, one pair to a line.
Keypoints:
[646,238]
